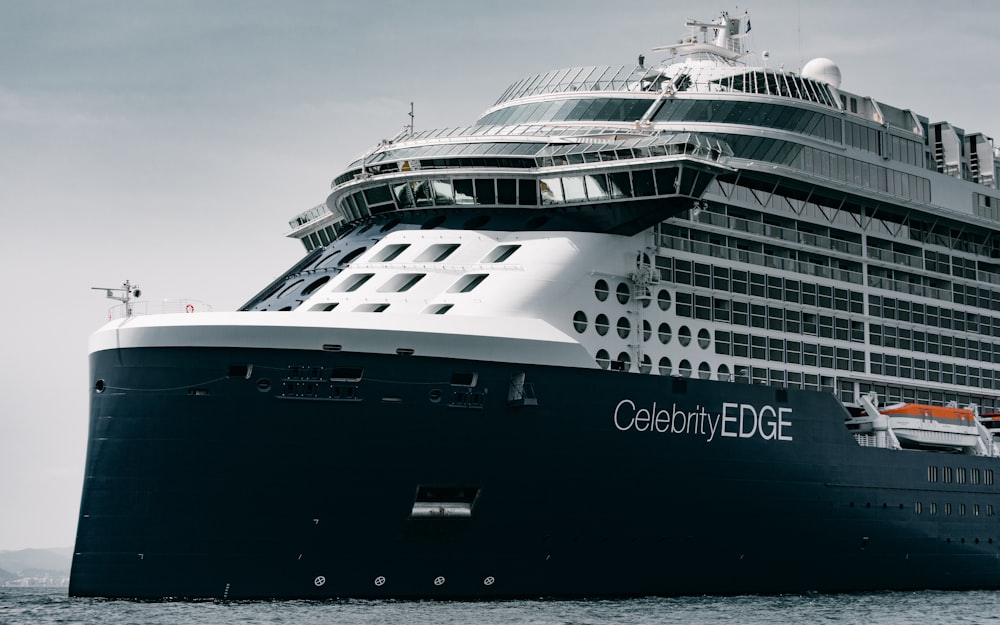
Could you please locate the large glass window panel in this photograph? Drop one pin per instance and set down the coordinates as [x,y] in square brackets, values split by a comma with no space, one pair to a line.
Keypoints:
[574,189]
[620,185]
[527,193]
[485,191]
[666,181]
[643,182]
[552,192]
[506,191]
[594,108]
[464,193]
[577,112]
[443,192]
[597,187]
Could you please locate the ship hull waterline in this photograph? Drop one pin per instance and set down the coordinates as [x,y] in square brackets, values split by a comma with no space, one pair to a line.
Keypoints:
[219,472]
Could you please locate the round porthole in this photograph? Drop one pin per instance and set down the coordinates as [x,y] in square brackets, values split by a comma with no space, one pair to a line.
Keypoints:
[704,338]
[664,332]
[601,324]
[663,299]
[625,360]
[624,327]
[704,371]
[435,395]
[580,321]
[684,369]
[99,386]
[723,373]
[647,330]
[646,365]
[601,290]
[603,358]
[684,335]
[623,293]
[263,385]
[665,366]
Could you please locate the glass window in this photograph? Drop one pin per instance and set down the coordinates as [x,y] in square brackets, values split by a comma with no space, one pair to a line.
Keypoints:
[574,189]
[506,191]
[601,290]
[664,366]
[664,333]
[684,335]
[597,187]
[601,324]
[552,192]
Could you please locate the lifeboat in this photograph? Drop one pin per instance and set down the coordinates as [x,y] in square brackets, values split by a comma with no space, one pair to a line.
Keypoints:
[991,422]
[923,426]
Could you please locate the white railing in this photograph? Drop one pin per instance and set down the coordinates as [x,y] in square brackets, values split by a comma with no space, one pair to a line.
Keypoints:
[163,307]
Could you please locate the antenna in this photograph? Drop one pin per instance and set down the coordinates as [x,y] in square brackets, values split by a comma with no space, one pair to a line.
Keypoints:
[123,294]
[409,127]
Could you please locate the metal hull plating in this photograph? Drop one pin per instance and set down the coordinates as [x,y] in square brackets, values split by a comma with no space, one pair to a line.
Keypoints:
[203,484]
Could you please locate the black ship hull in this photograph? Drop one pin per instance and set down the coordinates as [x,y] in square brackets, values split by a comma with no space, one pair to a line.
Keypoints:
[251,473]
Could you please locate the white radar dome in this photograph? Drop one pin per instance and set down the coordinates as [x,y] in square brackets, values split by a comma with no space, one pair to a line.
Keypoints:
[822,70]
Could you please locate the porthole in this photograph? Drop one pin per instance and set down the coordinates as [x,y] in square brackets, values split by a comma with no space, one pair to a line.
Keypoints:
[647,330]
[704,371]
[309,290]
[263,385]
[603,358]
[477,222]
[624,327]
[684,335]
[623,293]
[601,324]
[601,290]
[723,373]
[99,386]
[433,222]
[665,366]
[536,222]
[704,338]
[390,225]
[646,364]
[625,360]
[290,287]
[663,299]
[327,260]
[351,256]
[580,321]
[435,395]
[664,332]
[684,369]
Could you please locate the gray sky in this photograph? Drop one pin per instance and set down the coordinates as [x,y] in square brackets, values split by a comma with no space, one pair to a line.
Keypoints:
[169,143]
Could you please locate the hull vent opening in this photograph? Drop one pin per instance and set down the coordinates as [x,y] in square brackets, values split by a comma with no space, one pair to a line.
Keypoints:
[444,502]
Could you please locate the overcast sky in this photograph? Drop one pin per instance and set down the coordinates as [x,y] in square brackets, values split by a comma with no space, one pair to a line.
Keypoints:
[170,142]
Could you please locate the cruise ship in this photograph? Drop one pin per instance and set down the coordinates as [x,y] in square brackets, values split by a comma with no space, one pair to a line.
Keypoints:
[692,326]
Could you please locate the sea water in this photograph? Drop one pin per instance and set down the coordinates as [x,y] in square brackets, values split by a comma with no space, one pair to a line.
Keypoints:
[42,606]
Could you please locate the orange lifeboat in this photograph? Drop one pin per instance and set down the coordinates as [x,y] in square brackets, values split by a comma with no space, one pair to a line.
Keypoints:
[921,425]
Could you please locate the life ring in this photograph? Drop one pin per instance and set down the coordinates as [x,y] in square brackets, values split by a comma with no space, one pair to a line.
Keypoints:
[189,308]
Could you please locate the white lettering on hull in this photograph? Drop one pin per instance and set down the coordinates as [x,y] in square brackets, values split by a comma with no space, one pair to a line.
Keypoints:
[733,421]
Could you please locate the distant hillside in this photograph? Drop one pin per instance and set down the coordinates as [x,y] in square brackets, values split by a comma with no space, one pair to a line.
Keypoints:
[30,561]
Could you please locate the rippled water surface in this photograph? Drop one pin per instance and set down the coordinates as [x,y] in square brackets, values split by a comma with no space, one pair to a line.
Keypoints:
[44,606]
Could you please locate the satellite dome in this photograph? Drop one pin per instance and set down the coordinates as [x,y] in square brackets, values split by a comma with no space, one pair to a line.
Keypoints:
[822,70]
